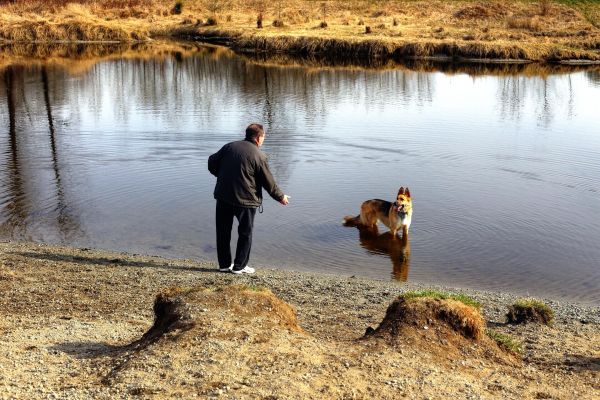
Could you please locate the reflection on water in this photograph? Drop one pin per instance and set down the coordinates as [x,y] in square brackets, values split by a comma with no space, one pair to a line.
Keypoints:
[17,208]
[398,249]
[594,77]
[505,161]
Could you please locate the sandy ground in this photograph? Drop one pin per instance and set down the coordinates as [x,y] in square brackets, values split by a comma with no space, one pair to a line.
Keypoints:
[68,317]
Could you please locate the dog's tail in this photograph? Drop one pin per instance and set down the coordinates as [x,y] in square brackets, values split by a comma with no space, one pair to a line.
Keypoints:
[349,220]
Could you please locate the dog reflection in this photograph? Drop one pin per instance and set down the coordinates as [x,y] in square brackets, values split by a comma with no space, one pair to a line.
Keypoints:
[386,244]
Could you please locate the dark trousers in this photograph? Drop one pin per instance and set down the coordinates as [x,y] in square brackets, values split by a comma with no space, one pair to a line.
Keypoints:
[224,219]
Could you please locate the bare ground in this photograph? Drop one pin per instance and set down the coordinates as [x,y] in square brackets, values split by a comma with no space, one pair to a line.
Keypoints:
[69,318]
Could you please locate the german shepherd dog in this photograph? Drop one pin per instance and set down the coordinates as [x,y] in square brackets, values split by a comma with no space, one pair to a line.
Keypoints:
[394,215]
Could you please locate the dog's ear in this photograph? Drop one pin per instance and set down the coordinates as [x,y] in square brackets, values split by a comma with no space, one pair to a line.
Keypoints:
[407,193]
[401,191]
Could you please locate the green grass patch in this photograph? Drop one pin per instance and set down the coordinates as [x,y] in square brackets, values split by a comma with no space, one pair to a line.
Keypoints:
[240,288]
[590,9]
[254,288]
[506,342]
[438,294]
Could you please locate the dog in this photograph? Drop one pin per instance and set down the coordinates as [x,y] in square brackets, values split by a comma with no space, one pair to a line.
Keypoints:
[396,215]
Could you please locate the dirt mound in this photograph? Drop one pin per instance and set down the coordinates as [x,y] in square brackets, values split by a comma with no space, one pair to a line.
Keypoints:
[175,308]
[448,315]
[208,328]
[481,11]
[171,313]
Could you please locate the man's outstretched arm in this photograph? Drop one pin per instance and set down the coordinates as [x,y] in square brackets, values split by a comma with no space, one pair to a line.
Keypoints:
[268,182]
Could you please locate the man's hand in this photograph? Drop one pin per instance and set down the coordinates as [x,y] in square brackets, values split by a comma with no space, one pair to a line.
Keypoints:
[285,200]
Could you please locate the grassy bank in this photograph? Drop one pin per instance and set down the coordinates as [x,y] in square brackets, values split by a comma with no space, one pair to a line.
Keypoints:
[542,30]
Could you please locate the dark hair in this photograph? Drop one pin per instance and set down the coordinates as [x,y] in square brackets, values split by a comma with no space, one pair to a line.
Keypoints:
[253,131]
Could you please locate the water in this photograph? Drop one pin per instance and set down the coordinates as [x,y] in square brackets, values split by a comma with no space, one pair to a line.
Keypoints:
[504,169]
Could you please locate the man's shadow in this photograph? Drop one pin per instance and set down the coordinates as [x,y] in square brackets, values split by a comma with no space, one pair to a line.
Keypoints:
[398,248]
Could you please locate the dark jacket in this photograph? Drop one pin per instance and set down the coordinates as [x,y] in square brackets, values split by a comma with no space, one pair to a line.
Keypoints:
[242,171]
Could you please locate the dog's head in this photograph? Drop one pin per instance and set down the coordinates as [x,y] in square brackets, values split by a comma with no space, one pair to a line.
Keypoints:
[403,204]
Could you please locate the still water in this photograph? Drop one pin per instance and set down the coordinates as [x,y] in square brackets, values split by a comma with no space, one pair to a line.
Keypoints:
[504,168]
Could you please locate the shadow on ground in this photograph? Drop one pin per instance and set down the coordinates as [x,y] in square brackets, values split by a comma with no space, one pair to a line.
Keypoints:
[89,350]
[109,261]
[581,362]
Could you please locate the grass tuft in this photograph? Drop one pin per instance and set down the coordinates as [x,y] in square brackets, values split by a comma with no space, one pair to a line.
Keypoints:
[506,342]
[527,23]
[177,8]
[437,294]
[211,21]
[530,310]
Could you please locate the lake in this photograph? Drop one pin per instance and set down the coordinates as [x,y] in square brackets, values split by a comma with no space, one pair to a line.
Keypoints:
[503,165]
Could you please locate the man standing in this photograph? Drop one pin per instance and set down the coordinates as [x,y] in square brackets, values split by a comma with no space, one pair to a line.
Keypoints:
[242,171]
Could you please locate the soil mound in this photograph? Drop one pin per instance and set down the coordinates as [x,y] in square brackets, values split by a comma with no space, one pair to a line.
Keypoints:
[206,325]
[171,313]
[449,316]
[175,309]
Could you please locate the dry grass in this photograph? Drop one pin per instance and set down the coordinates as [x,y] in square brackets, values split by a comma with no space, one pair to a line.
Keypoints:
[490,29]
[528,23]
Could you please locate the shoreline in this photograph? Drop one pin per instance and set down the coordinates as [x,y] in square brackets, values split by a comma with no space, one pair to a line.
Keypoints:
[71,316]
[78,57]
[491,299]
[372,50]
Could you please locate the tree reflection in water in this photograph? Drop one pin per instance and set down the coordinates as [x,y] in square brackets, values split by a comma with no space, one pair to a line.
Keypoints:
[21,187]
[14,204]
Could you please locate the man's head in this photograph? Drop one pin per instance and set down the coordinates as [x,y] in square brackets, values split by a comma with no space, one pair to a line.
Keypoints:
[255,133]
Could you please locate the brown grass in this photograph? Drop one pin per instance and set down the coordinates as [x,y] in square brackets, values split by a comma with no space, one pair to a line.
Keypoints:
[512,29]
[528,23]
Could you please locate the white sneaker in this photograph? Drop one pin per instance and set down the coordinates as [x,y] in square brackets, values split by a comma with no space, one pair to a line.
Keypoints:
[245,270]
[226,269]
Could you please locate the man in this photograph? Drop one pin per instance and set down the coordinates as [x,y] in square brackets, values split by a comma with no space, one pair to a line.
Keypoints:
[242,171]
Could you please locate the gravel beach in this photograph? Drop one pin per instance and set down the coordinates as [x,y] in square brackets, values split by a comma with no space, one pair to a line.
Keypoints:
[68,315]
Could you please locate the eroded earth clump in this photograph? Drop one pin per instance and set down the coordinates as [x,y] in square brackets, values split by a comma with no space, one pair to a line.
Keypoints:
[447,315]
[530,310]
[440,325]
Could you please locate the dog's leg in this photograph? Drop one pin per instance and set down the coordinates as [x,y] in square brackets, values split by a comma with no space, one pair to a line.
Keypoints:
[404,232]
